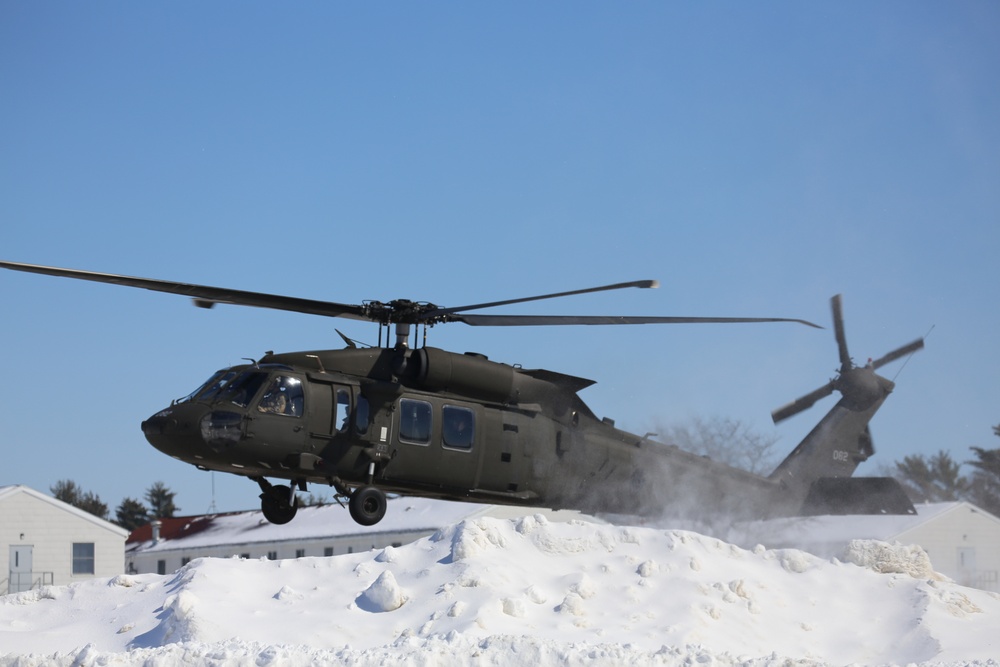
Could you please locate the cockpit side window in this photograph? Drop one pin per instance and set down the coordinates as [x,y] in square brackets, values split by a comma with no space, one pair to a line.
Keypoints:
[343,407]
[283,396]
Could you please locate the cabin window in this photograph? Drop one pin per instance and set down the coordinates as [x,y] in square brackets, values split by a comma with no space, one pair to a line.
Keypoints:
[283,396]
[83,558]
[457,427]
[361,416]
[414,421]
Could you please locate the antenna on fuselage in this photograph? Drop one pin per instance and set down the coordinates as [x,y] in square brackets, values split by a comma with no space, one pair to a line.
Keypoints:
[212,509]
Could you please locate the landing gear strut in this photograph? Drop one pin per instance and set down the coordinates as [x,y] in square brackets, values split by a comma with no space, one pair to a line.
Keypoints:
[278,503]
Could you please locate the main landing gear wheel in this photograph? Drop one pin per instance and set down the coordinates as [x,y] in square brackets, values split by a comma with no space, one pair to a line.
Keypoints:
[367,505]
[279,504]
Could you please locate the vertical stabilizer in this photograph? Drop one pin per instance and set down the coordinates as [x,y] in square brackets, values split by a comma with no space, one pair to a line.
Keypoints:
[841,440]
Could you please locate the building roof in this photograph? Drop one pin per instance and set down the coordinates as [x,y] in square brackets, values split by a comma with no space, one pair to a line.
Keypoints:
[841,529]
[16,489]
[404,514]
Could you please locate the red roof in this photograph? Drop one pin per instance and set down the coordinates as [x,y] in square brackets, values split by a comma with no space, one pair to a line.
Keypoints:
[175,527]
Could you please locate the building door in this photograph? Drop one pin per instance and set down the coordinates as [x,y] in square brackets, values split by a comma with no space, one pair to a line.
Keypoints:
[20,569]
[967,566]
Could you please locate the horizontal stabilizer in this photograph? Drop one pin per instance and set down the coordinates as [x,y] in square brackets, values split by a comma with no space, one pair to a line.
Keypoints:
[856,495]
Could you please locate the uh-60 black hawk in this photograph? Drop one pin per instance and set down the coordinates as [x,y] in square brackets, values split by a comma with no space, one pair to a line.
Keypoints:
[427,422]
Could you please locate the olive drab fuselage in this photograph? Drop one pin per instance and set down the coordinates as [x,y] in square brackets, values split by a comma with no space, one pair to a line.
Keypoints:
[437,424]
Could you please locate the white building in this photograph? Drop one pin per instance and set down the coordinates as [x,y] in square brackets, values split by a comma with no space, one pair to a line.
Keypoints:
[325,530]
[44,541]
[962,540]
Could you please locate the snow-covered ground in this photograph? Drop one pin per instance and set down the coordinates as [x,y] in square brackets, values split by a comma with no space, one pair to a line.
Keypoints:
[523,591]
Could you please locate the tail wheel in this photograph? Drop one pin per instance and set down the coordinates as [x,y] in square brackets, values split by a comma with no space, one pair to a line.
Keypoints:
[367,505]
[279,504]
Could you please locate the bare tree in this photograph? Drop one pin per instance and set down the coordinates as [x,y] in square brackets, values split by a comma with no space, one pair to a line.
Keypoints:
[722,439]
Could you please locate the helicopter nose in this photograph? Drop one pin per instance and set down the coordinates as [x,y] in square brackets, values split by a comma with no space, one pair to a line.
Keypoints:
[162,429]
[174,431]
[159,424]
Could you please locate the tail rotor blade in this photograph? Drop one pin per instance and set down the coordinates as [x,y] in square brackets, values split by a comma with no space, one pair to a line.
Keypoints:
[838,331]
[803,403]
[909,348]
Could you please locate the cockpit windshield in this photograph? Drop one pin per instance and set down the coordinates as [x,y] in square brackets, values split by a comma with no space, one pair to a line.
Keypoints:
[238,387]
[211,386]
[241,389]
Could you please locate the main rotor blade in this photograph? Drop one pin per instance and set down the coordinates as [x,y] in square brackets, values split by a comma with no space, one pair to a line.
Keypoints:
[803,403]
[562,320]
[838,332]
[203,295]
[909,348]
[644,284]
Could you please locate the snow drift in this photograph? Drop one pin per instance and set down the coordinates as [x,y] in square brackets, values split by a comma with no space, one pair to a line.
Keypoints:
[516,592]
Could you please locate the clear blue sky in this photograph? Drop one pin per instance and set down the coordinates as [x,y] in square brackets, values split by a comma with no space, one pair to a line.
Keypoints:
[755,158]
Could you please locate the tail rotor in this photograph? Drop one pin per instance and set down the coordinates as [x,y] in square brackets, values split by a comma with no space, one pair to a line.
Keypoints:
[860,385]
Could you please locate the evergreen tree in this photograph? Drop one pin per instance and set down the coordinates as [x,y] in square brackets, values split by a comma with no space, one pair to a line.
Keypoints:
[67,491]
[312,500]
[91,502]
[986,479]
[161,501]
[131,514]
[936,479]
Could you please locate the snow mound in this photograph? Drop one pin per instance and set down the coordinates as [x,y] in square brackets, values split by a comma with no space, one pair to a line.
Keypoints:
[383,595]
[893,558]
[514,592]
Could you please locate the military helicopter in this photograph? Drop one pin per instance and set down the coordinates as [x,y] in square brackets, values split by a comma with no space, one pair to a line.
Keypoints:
[418,420]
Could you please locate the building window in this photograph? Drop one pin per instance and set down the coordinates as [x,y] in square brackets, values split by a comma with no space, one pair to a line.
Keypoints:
[272,555]
[161,567]
[300,553]
[83,558]
[185,561]
[328,551]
